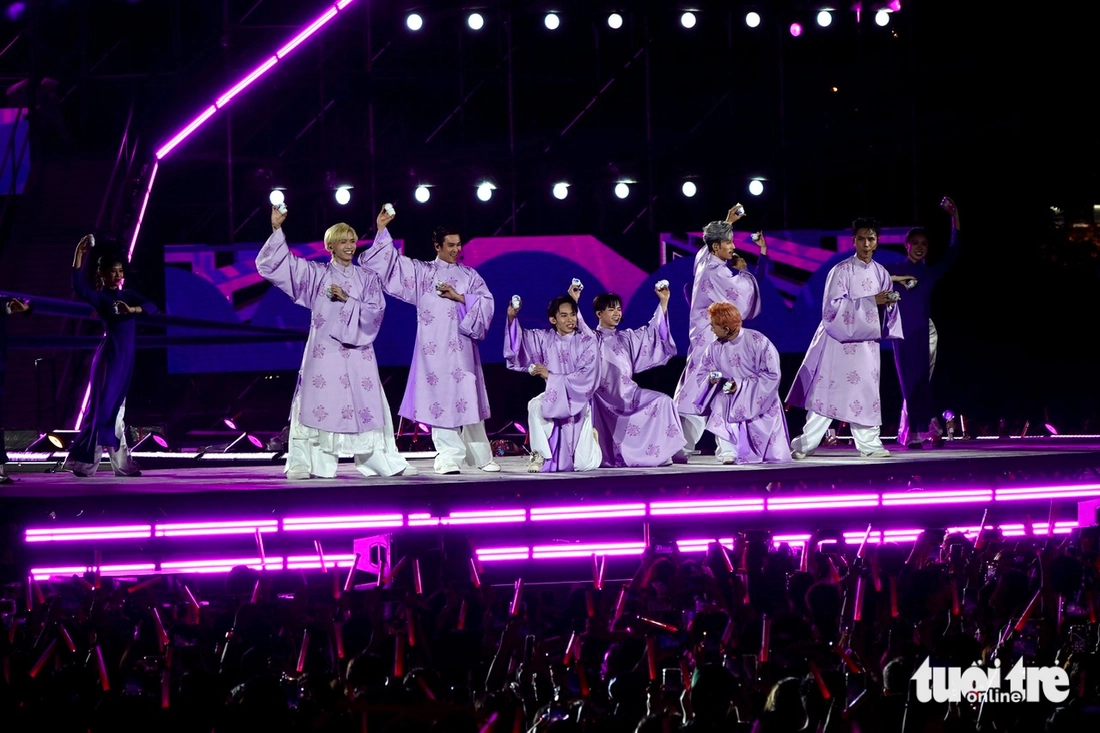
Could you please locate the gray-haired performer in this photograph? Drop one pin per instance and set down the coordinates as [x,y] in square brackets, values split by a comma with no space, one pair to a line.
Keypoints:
[715,282]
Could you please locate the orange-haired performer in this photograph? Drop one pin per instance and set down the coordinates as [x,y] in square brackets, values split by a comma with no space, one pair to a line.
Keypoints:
[746,414]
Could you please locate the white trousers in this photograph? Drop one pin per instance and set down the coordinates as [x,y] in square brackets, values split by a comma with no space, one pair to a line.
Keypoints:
[467,444]
[588,455]
[694,426]
[933,342]
[121,462]
[318,452]
[867,437]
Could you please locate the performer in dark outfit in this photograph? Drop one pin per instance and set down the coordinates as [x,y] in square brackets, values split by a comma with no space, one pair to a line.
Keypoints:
[912,355]
[113,365]
[14,305]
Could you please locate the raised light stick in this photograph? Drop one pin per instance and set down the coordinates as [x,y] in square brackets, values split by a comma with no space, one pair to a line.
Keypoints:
[517,597]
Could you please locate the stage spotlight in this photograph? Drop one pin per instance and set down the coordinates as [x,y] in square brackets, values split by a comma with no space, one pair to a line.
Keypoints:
[882,18]
[796,29]
[54,440]
[485,191]
[231,422]
[151,443]
[615,21]
[475,21]
[689,188]
[824,19]
[687,20]
[422,194]
[752,20]
[551,21]
[276,197]
[561,190]
[756,187]
[245,443]
[343,195]
[622,190]
[414,22]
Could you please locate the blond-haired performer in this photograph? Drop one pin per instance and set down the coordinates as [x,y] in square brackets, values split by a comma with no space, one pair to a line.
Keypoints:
[339,407]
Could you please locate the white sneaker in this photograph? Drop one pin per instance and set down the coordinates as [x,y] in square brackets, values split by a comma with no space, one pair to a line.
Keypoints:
[491,467]
[725,460]
[447,469]
[298,474]
[877,453]
[534,465]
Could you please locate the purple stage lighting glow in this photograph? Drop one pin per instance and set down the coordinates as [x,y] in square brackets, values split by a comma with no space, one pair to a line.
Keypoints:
[255,441]
[726,506]
[230,423]
[914,498]
[796,29]
[251,77]
[485,517]
[604,511]
[365,521]
[202,529]
[520,428]
[826,501]
[141,211]
[537,552]
[1048,492]
[69,534]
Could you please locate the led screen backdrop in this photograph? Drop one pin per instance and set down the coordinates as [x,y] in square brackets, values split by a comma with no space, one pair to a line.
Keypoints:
[221,284]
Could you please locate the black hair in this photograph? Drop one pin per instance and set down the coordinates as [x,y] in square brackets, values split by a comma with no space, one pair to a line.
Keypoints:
[442,232]
[603,301]
[866,222]
[556,303]
[915,232]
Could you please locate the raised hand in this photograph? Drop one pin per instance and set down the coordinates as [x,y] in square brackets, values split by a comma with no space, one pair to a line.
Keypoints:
[733,214]
[384,218]
[277,217]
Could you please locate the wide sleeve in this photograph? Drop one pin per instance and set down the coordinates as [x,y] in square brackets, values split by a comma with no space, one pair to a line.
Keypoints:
[849,319]
[98,299]
[703,369]
[148,307]
[400,275]
[759,384]
[763,268]
[940,268]
[652,344]
[567,394]
[476,313]
[523,348]
[361,315]
[297,277]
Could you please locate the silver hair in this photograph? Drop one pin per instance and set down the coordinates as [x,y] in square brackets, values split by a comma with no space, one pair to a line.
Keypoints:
[717,231]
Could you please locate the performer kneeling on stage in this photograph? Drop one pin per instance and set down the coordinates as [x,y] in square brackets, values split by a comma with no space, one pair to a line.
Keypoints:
[339,407]
[560,419]
[746,414]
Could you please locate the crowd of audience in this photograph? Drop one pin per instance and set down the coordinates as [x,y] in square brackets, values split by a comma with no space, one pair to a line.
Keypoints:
[754,639]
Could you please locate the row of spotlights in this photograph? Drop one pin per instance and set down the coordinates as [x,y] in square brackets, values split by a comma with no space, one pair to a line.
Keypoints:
[560,191]
[552,21]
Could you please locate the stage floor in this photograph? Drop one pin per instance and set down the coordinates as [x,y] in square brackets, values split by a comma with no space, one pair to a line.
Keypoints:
[186,509]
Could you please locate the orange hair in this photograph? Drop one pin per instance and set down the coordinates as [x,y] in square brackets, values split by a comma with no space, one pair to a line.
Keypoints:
[725,315]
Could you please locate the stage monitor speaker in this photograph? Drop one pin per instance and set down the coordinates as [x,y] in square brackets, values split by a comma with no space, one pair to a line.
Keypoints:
[443,557]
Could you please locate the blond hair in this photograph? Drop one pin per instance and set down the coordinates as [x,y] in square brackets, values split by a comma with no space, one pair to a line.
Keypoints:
[339,231]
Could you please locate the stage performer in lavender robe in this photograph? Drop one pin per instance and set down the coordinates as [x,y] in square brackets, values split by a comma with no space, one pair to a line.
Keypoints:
[745,413]
[559,420]
[913,356]
[12,305]
[446,387]
[636,427]
[715,282]
[339,407]
[103,424]
[839,378]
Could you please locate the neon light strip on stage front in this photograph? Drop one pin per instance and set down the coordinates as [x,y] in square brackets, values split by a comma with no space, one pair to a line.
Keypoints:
[542,553]
[839,502]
